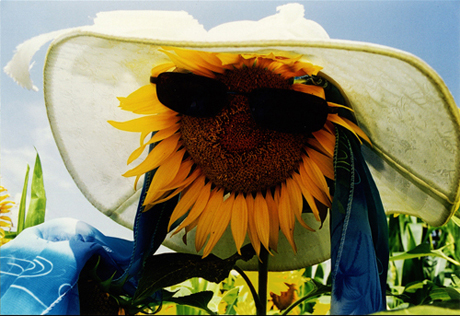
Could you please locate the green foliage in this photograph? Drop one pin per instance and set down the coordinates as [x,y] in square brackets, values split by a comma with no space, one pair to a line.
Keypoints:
[37,206]
[424,265]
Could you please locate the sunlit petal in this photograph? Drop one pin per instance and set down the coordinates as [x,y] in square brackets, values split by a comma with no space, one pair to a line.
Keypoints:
[262,219]
[239,221]
[207,216]
[287,217]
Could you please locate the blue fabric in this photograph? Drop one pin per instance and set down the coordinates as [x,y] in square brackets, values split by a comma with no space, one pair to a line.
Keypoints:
[359,234]
[40,267]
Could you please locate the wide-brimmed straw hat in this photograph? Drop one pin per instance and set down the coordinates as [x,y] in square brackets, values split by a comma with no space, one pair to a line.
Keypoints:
[399,102]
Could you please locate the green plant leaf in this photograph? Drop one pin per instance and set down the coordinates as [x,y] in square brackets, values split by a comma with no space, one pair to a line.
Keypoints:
[423,250]
[37,205]
[231,298]
[199,300]
[444,294]
[168,269]
[456,218]
[22,204]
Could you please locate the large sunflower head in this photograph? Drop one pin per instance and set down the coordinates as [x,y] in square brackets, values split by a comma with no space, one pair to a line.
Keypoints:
[230,170]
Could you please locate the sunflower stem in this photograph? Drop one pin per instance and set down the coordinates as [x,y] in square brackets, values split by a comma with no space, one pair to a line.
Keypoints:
[251,287]
[263,281]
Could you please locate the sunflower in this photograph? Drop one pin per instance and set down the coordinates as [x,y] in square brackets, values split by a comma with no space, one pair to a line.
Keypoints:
[229,170]
[5,221]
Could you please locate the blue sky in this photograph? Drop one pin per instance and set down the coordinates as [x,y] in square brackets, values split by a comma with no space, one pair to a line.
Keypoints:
[428,29]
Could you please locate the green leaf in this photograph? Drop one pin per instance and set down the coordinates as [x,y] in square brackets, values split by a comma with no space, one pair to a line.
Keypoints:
[444,294]
[168,269]
[231,298]
[456,218]
[423,250]
[37,205]
[199,300]
[22,204]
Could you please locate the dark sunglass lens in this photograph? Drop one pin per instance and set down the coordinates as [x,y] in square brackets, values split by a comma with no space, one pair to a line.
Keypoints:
[190,94]
[287,110]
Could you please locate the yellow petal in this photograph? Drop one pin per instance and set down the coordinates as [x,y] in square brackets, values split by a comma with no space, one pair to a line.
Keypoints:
[228,59]
[329,127]
[159,136]
[317,145]
[324,163]
[219,224]
[326,139]
[315,90]
[198,207]
[307,195]
[143,101]
[187,200]
[286,216]
[162,151]
[336,105]
[252,230]
[164,175]
[181,176]
[262,219]
[351,126]
[207,60]
[295,196]
[184,177]
[6,207]
[184,59]
[311,183]
[5,224]
[147,124]
[317,177]
[340,121]
[211,210]
[161,68]
[164,133]
[239,222]
[274,220]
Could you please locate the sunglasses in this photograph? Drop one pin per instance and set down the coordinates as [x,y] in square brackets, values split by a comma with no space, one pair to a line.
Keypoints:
[281,110]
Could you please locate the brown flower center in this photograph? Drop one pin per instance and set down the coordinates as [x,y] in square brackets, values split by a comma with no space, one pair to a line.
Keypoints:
[232,150]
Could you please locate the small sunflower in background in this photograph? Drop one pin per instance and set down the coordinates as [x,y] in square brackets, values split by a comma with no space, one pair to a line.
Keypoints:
[242,142]
[5,208]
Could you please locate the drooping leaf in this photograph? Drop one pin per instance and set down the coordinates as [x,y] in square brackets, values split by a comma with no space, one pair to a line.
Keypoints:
[168,269]
[22,204]
[37,205]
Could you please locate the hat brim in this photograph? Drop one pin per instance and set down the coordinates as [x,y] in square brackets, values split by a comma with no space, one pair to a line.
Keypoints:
[399,102]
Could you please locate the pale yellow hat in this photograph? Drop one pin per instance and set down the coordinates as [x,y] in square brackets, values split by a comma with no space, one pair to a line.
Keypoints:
[399,101]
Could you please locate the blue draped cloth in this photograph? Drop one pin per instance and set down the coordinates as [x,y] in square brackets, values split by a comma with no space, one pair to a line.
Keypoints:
[359,234]
[41,266]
